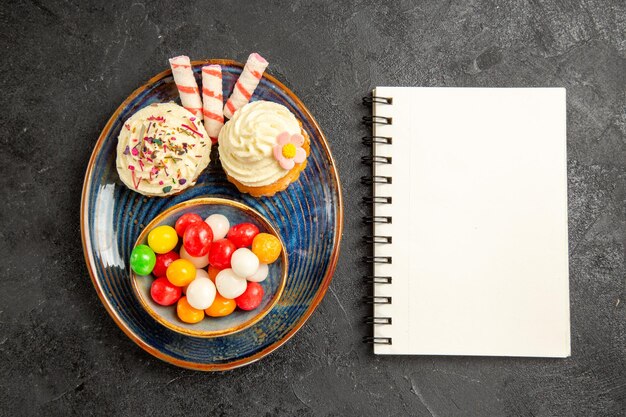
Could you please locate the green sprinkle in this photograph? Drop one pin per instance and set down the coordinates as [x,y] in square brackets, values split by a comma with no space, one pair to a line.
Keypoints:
[167,189]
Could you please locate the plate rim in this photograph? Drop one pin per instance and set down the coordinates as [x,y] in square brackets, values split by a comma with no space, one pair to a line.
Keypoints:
[321,291]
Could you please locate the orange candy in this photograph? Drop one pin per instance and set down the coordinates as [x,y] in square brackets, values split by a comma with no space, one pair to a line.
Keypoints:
[181,272]
[221,307]
[187,313]
[266,247]
[213,271]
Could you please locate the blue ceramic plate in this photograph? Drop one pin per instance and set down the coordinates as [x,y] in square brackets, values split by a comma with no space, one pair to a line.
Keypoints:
[308,216]
[238,320]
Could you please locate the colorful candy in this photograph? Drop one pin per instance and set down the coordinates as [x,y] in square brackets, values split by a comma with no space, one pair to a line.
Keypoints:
[213,271]
[181,272]
[244,263]
[251,298]
[163,260]
[266,247]
[197,239]
[221,307]
[229,284]
[201,273]
[221,252]
[197,261]
[201,293]
[142,260]
[219,225]
[242,234]
[187,313]
[184,221]
[162,239]
[164,292]
[261,273]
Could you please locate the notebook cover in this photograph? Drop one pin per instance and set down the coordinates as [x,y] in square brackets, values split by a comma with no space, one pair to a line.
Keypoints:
[479,249]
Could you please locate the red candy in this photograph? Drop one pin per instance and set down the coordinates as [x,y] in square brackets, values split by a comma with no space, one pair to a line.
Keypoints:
[197,238]
[242,234]
[251,298]
[164,292]
[221,252]
[163,260]
[184,221]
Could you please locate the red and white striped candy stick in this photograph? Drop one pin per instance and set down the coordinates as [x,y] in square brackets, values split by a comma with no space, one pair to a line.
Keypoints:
[212,100]
[246,84]
[186,84]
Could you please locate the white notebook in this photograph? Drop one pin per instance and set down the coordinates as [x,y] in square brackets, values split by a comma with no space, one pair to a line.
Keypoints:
[477,232]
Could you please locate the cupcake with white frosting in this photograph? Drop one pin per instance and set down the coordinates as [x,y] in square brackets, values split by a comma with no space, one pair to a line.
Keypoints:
[263,148]
[162,149]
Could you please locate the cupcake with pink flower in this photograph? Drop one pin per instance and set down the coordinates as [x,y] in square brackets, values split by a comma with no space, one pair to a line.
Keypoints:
[263,148]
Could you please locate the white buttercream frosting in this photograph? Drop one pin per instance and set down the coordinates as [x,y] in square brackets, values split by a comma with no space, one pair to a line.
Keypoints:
[247,140]
[162,149]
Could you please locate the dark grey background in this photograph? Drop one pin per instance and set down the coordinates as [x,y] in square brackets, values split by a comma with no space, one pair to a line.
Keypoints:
[67,65]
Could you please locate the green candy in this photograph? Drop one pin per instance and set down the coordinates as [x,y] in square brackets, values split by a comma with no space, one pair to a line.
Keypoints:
[142,260]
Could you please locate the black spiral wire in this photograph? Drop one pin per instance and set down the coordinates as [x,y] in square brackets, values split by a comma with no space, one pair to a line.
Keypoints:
[371,200]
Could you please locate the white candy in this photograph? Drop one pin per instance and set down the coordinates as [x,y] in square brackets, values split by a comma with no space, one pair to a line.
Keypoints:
[201,273]
[260,274]
[229,284]
[201,293]
[244,262]
[197,261]
[219,225]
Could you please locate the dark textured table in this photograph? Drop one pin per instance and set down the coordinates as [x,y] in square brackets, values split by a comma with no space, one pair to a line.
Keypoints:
[66,67]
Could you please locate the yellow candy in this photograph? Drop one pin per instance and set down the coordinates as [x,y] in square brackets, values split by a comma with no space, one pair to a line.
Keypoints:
[266,247]
[162,239]
[181,272]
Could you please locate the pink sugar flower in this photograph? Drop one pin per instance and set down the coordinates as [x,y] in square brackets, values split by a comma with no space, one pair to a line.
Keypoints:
[288,151]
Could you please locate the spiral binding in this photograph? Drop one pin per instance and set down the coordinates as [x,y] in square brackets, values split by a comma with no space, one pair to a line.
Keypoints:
[376,120]
[376,299]
[376,219]
[368,101]
[381,140]
[373,279]
[369,239]
[375,179]
[377,259]
[369,160]
[372,199]
[376,320]
[377,340]
[376,200]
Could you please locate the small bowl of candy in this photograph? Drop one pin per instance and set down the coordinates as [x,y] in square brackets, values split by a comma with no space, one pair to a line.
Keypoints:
[208,267]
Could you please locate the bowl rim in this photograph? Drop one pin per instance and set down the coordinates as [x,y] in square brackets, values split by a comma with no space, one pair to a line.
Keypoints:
[201,201]
[90,259]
